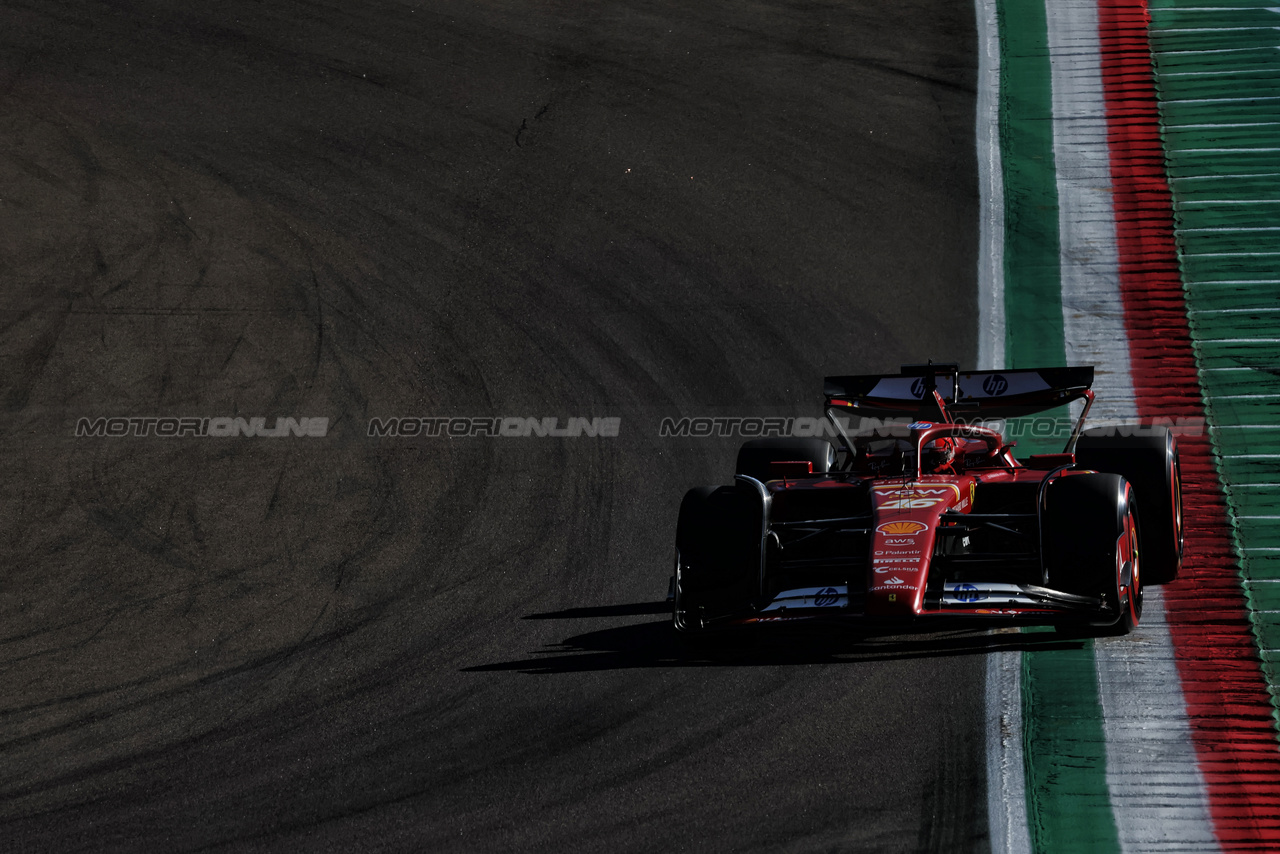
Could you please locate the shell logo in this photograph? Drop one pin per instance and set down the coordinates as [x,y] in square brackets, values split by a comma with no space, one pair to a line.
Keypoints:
[901,528]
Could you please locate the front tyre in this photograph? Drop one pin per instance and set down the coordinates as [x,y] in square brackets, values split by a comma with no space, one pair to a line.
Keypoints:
[717,556]
[1151,465]
[757,456]
[1091,547]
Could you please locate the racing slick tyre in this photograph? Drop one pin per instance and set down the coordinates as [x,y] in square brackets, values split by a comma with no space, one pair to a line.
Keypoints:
[1150,464]
[756,456]
[1090,542]
[717,560]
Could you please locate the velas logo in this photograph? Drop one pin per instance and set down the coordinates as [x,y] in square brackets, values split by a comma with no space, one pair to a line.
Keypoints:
[913,497]
[910,503]
[901,528]
[940,489]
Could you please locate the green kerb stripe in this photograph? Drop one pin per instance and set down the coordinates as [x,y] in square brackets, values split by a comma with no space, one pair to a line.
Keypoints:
[1069,805]
[1064,746]
[1033,304]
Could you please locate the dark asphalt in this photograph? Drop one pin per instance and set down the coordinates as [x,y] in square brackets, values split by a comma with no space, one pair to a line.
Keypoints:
[627,208]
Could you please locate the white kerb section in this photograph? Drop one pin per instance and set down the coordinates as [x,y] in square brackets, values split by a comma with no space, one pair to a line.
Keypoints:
[1157,792]
[1092,309]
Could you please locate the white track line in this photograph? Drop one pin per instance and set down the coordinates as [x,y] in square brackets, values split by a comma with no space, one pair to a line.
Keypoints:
[1006,774]
[1157,792]
[991,191]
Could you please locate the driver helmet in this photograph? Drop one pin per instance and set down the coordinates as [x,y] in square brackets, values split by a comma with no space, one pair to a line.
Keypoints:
[938,455]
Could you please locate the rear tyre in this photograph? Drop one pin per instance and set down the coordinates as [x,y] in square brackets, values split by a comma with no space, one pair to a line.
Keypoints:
[717,558]
[1090,541]
[756,456]
[1150,464]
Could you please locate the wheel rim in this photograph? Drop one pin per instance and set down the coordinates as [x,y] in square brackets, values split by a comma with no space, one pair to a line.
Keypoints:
[682,619]
[1177,503]
[1131,595]
[677,611]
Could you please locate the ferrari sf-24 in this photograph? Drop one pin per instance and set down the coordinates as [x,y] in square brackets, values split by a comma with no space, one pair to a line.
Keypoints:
[928,518]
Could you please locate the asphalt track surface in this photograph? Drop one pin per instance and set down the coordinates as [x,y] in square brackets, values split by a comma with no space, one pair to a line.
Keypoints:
[375,209]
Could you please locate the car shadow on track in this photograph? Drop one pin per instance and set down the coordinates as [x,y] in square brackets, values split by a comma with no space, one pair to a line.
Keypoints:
[655,644]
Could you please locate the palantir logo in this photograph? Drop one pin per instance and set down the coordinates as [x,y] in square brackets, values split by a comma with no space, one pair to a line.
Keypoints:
[995,385]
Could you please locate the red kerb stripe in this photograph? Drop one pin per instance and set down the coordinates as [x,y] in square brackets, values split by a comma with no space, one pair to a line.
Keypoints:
[1226,695]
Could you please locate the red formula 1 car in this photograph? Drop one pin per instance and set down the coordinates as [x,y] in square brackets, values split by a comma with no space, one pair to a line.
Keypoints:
[922,520]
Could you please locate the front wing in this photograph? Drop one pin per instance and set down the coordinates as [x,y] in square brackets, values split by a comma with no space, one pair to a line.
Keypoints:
[970,601]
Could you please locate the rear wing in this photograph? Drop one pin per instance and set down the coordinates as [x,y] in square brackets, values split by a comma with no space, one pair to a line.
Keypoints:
[981,394]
